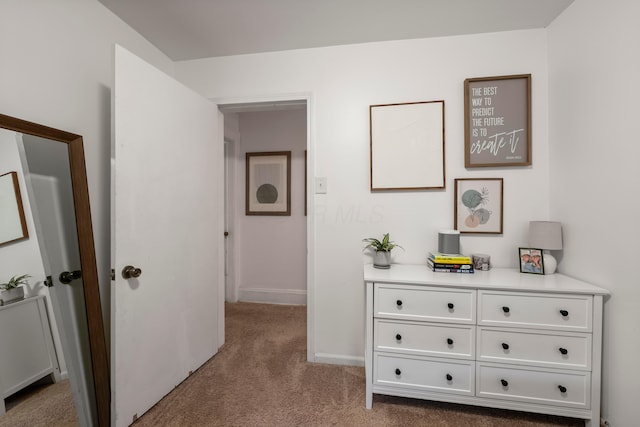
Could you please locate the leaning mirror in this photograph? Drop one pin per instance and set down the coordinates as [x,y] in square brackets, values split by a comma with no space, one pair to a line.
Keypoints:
[62,298]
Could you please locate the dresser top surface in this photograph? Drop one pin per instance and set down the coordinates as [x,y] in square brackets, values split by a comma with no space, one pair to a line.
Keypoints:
[26,300]
[506,279]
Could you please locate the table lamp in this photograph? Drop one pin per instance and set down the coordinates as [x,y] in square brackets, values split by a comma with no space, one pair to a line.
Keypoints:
[546,235]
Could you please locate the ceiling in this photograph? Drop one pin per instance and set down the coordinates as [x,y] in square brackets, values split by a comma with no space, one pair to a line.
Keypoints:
[193,29]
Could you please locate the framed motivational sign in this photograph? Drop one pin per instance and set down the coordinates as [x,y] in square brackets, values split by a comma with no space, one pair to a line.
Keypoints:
[497,121]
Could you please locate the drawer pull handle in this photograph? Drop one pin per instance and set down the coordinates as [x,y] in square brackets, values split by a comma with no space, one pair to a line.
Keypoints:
[449,377]
[564,313]
[399,303]
[450,305]
[505,309]
[449,341]
[562,389]
[398,371]
[505,346]
[505,383]
[398,337]
[564,351]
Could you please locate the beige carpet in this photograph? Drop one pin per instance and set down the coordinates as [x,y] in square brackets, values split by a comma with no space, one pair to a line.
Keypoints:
[261,378]
[42,404]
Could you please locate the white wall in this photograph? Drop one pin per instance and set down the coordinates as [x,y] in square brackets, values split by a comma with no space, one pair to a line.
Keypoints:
[271,250]
[343,81]
[57,69]
[593,110]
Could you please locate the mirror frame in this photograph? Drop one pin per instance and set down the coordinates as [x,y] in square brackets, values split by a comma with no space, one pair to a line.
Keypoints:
[91,288]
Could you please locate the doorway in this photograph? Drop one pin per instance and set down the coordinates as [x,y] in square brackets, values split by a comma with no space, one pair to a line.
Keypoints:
[267,257]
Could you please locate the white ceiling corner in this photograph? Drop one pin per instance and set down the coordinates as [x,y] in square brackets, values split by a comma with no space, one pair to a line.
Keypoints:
[194,29]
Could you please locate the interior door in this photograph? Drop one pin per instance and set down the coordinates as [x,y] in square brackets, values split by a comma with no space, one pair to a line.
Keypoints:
[54,219]
[167,192]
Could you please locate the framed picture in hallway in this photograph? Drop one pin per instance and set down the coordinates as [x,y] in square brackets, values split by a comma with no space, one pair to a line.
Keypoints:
[268,183]
[497,121]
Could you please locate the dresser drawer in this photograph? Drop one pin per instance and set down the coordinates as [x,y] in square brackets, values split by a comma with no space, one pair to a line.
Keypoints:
[424,339]
[570,389]
[522,346]
[528,310]
[424,303]
[424,373]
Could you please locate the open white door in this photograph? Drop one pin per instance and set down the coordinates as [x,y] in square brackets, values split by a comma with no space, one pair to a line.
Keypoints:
[167,192]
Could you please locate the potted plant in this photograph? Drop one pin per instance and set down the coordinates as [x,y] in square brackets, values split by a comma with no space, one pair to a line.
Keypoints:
[382,248]
[13,290]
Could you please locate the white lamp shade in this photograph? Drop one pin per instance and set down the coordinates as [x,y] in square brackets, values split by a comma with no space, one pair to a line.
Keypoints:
[545,235]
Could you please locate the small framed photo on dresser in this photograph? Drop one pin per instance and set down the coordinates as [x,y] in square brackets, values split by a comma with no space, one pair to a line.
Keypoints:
[531,260]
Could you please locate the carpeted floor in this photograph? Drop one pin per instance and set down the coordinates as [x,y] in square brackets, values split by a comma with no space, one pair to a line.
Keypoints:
[41,405]
[260,377]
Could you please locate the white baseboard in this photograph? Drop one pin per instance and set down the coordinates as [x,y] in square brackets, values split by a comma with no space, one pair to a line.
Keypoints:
[339,359]
[273,296]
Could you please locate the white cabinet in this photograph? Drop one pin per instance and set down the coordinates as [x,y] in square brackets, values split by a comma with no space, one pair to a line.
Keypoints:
[552,349]
[533,310]
[499,338]
[424,339]
[421,373]
[427,304]
[26,346]
[534,385]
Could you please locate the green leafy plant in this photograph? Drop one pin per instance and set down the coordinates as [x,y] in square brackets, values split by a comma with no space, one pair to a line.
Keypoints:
[380,245]
[15,281]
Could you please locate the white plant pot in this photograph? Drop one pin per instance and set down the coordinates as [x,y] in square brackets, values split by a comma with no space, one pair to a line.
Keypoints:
[382,259]
[11,295]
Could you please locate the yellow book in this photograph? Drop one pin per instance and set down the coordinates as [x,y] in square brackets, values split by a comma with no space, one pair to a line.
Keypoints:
[441,258]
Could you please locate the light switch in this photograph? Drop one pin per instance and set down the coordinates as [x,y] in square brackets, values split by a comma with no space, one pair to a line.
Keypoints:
[321,184]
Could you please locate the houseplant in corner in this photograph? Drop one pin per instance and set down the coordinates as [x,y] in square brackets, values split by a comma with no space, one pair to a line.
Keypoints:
[12,290]
[382,250]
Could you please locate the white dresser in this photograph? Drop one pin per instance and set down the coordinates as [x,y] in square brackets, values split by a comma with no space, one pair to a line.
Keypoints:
[26,346]
[497,338]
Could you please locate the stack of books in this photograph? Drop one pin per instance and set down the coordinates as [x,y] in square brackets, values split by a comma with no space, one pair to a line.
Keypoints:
[450,263]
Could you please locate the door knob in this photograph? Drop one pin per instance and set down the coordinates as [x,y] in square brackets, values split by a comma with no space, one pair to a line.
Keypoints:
[67,277]
[131,272]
